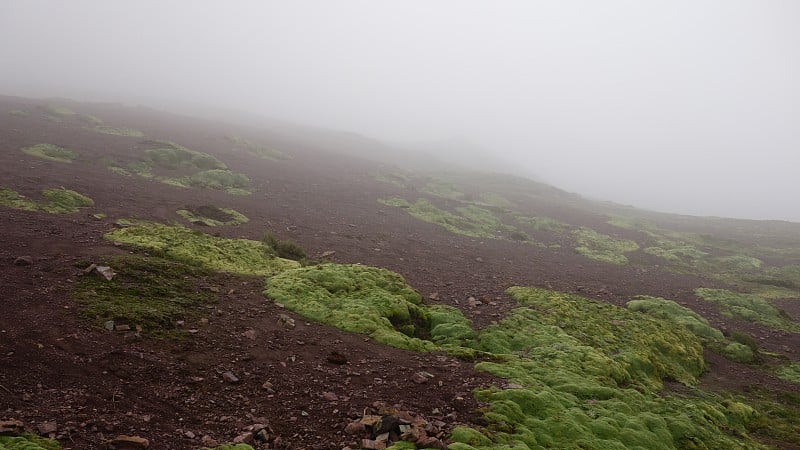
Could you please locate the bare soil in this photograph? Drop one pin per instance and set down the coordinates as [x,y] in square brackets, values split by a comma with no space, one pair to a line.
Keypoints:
[96,384]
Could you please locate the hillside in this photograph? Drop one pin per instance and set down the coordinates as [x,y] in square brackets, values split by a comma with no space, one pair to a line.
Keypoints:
[272,290]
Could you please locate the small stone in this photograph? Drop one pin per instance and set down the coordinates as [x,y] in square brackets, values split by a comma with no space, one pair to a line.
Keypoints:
[190,435]
[244,438]
[355,428]
[383,437]
[473,302]
[262,435]
[11,427]
[122,327]
[230,377]
[23,261]
[123,442]
[203,321]
[107,272]
[373,445]
[434,296]
[330,396]
[46,428]
[208,441]
[286,321]
[267,386]
[250,334]
[327,254]
[419,378]
[109,325]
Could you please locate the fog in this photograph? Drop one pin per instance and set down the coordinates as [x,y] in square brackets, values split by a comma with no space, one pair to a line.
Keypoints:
[681,106]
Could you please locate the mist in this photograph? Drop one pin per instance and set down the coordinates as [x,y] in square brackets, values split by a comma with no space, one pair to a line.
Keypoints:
[690,107]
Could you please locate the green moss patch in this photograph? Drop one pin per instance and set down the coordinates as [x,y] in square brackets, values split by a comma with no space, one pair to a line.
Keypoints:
[51,152]
[749,307]
[212,216]
[58,111]
[257,150]
[18,113]
[790,372]
[471,221]
[542,223]
[231,182]
[367,300]
[147,292]
[116,131]
[27,442]
[172,156]
[58,201]
[672,311]
[602,247]
[241,256]
[443,189]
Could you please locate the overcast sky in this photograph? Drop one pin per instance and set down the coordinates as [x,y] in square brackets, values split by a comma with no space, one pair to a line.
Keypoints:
[686,106]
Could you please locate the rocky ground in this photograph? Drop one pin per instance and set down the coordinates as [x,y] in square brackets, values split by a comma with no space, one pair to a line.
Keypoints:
[254,371]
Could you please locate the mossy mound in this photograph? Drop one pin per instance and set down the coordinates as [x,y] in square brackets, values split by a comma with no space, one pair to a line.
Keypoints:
[116,131]
[257,150]
[443,189]
[241,256]
[749,307]
[27,442]
[59,201]
[51,152]
[212,216]
[225,180]
[148,292]
[602,247]
[473,221]
[368,300]
[670,310]
[542,223]
[172,156]
[790,372]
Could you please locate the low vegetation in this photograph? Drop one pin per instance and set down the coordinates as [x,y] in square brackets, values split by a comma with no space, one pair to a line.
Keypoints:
[18,113]
[444,189]
[239,256]
[790,372]
[116,131]
[287,249]
[602,247]
[542,223]
[56,201]
[257,150]
[749,307]
[212,216]
[172,156]
[148,293]
[27,442]
[672,311]
[51,152]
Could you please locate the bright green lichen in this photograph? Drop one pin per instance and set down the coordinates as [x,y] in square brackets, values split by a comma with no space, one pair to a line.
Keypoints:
[473,221]
[749,307]
[670,310]
[27,442]
[241,256]
[51,152]
[602,247]
[212,216]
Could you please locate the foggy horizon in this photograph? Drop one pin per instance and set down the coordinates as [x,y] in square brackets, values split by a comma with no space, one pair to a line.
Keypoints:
[683,107]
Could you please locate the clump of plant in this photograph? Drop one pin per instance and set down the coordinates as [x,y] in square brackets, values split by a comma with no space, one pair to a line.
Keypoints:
[27,441]
[257,150]
[150,293]
[58,201]
[368,300]
[672,311]
[443,189]
[89,119]
[542,223]
[790,372]
[231,182]
[603,247]
[473,221]
[18,113]
[117,131]
[241,256]
[749,307]
[172,156]
[212,216]
[58,111]
[51,152]
[288,248]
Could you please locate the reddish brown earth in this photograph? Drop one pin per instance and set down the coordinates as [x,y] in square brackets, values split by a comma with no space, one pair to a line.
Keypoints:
[96,384]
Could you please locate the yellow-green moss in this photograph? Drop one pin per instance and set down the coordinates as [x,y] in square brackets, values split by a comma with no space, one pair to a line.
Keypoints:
[27,442]
[749,307]
[58,201]
[473,221]
[116,131]
[670,310]
[257,150]
[240,256]
[603,247]
[51,152]
[212,216]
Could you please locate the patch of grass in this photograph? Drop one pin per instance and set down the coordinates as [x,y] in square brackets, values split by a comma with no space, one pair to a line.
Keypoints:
[231,182]
[542,223]
[89,119]
[367,300]
[749,307]
[58,111]
[790,372]
[149,292]
[116,131]
[283,248]
[474,221]
[27,442]
[172,156]
[739,352]
[495,200]
[212,216]
[602,247]
[443,189]
[240,256]
[257,150]
[18,113]
[51,152]
[672,311]
[59,201]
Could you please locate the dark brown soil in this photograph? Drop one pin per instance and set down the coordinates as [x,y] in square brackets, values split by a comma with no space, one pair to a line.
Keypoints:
[57,366]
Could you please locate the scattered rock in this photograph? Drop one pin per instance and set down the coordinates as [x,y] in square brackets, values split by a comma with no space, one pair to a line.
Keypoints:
[335,357]
[122,327]
[123,442]
[230,377]
[46,428]
[355,428]
[109,325]
[267,386]
[250,334]
[434,296]
[473,302]
[372,444]
[420,378]
[327,254]
[244,438]
[190,435]
[208,441]
[107,272]
[11,427]
[23,261]
[330,396]
[285,321]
